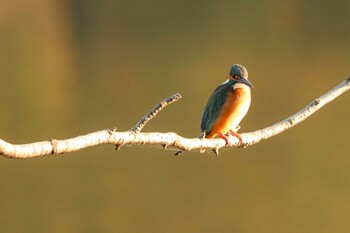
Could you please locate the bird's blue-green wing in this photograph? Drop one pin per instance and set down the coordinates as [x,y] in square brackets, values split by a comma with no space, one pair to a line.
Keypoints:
[213,108]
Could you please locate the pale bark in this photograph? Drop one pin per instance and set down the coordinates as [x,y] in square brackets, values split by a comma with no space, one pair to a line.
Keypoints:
[166,140]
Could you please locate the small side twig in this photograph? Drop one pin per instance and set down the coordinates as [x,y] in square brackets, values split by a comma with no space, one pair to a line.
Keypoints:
[151,114]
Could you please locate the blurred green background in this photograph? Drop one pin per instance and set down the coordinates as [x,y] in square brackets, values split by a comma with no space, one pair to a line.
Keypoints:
[69,67]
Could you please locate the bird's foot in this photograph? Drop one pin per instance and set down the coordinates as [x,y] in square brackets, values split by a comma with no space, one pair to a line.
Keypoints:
[243,144]
[233,133]
[225,138]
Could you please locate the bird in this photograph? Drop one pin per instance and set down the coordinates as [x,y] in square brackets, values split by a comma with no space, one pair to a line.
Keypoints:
[227,106]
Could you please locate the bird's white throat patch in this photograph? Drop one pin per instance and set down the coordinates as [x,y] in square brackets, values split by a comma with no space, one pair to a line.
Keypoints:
[240,85]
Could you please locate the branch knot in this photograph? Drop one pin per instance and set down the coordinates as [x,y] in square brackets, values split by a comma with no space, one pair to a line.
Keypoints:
[54,144]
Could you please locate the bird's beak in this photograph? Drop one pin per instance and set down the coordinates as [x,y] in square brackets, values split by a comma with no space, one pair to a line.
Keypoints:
[246,82]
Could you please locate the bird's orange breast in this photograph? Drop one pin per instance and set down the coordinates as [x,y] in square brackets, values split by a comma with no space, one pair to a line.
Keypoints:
[235,108]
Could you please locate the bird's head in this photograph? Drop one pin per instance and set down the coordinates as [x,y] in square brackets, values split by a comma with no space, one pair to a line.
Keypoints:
[239,74]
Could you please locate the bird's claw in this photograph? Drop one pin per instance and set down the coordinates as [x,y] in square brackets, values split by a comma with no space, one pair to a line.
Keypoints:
[228,144]
[232,133]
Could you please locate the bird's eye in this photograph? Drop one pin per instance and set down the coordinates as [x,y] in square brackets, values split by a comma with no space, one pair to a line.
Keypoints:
[236,77]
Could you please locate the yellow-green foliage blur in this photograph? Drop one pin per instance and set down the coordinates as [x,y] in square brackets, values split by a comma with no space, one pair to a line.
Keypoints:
[72,67]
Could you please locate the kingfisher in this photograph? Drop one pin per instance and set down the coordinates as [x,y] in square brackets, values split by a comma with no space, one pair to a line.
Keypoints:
[227,106]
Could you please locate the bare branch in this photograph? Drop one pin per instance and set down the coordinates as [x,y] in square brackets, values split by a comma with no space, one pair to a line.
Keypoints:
[138,127]
[134,137]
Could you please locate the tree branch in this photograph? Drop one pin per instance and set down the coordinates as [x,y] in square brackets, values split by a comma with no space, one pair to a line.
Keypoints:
[162,104]
[134,137]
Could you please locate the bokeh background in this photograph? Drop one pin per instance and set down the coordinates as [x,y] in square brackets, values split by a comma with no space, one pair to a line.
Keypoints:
[70,67]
